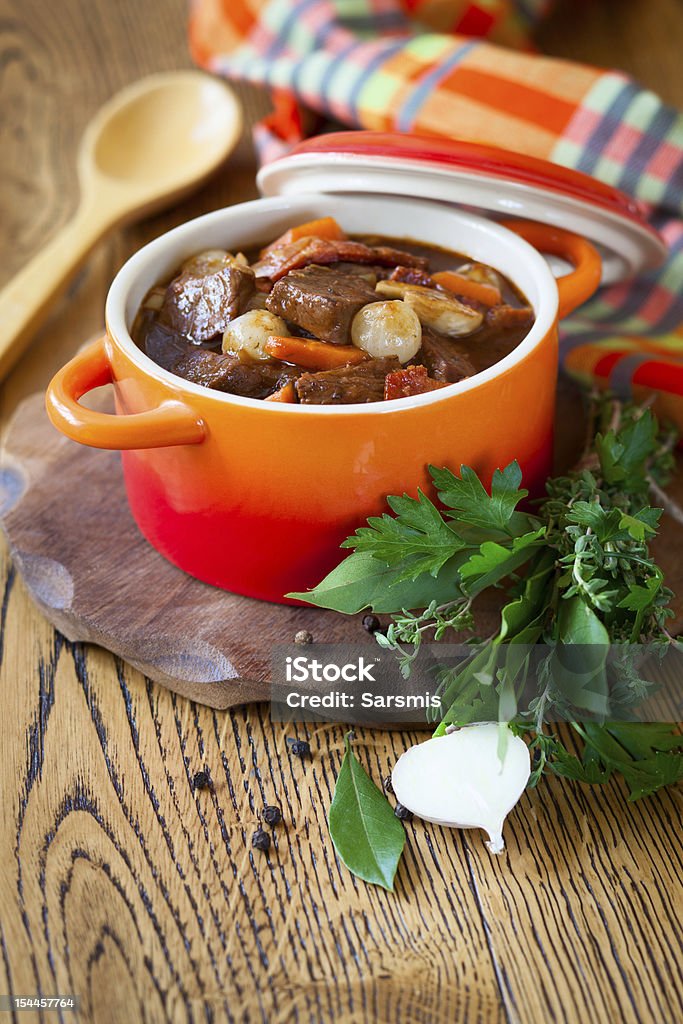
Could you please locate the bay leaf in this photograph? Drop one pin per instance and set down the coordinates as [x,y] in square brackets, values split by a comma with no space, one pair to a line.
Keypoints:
[366,834]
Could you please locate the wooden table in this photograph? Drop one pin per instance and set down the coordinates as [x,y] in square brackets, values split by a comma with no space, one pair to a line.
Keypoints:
[122,884]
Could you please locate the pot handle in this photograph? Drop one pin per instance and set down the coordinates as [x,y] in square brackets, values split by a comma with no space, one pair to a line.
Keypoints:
[170,423]
[581,282]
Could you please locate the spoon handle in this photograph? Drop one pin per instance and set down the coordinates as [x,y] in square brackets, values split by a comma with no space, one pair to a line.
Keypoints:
[25,301]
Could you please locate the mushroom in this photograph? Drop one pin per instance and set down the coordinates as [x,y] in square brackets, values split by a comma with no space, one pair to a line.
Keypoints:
[394,289]
[464,779]
[247,334]
[387,329]
[204,262]
[443,313]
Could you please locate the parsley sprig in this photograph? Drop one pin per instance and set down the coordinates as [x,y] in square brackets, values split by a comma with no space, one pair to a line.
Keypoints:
[576,570]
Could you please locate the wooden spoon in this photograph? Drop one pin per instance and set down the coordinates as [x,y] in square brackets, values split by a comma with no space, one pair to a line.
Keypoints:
[146,147]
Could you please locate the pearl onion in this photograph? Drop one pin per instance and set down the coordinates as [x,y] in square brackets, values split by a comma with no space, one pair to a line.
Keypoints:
[247,334]
[387,329]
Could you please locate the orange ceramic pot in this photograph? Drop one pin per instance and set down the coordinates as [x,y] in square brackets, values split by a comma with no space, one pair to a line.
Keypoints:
[256,497]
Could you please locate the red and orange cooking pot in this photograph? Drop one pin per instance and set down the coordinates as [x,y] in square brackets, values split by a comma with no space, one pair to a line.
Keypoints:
[256,497]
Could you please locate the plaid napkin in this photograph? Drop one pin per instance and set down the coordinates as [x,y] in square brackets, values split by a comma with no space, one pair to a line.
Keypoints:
[422,66]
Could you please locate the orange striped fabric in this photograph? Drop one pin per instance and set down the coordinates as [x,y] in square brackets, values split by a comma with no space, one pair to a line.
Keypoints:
[432,67]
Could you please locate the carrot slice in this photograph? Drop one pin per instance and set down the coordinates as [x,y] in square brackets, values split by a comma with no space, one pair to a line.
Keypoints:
[285,394]
[487,294]
[313,355]
[324,227]
[411,380]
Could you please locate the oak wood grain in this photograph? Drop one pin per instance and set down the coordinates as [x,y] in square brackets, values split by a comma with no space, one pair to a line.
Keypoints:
[122,883]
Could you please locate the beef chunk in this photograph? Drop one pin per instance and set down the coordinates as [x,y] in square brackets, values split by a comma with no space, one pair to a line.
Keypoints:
[210,369]
[347,384]
[321,301]
[278,262]
[368,271]
[202,301]
[444,358]
[409,381]
[230,374]
[164,346]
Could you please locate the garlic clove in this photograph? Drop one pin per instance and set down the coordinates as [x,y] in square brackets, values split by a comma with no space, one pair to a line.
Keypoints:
[459,780]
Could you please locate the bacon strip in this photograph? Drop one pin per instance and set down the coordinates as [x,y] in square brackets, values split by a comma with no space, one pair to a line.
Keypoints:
[412,275]
[411,380]
[278,262]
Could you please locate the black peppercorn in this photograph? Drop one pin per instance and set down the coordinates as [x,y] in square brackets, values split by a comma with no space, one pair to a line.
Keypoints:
[201,780]
[402,813]
[388,788]
[371,623]
[300,748]
[272,815]
[260,840]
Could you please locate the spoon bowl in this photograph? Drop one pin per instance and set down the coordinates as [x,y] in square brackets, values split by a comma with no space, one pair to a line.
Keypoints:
[161,136]
[148,146]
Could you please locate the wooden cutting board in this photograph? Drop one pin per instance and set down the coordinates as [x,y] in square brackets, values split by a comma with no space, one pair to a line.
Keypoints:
[73,540]
[94,576]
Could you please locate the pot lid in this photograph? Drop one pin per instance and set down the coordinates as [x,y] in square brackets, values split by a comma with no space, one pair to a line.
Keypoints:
[485,179]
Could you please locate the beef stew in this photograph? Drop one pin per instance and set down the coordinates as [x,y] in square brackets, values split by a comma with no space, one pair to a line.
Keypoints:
[318,318]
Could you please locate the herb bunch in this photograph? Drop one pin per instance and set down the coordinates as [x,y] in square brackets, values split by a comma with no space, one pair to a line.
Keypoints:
[577,574]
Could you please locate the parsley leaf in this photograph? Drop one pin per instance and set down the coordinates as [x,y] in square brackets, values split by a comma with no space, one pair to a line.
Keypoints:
[493,562]
[471,504]
[415,540]
[604,523]
[642,523]
[623,454]
[639,597]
